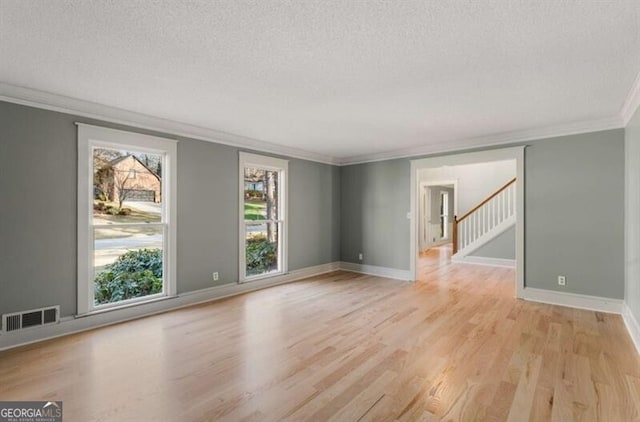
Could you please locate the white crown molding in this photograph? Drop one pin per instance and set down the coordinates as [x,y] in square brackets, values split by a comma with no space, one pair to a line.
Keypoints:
[54,102]
[491,140]
[632,102]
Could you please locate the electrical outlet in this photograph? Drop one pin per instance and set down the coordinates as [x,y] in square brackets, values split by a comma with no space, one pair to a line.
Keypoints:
[215,276]
[360,256]
[562,280]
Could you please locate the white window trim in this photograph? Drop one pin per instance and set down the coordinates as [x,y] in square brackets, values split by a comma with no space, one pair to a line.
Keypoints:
[269,163]
[90,136]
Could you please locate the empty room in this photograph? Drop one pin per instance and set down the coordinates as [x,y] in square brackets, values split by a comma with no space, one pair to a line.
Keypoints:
[319,210]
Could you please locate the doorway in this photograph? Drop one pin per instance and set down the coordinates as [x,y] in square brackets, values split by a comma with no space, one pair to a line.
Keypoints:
[515,153]
[438,205]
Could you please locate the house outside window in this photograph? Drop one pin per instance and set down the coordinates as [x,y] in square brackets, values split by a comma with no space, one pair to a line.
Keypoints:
[126,218]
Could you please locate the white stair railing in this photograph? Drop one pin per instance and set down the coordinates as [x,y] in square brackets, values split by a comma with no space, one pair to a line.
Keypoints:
[494,211]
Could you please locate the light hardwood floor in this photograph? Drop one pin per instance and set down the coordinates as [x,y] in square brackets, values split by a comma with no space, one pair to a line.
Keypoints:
[455,346]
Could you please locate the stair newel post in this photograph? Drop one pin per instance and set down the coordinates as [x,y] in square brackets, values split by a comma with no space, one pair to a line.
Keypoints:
[455,234]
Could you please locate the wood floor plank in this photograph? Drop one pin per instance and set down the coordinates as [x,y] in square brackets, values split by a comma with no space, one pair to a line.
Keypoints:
[454,346]
[525,390]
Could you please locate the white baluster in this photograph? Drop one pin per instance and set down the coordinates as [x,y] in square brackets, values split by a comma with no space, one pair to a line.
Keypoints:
[464,234]
[468,229]
[485,218]
[504,206]
[487,215]
[475,226]
[493,214]
[511,199]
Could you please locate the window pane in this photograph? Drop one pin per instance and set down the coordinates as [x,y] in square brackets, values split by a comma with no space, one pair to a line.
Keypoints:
[260,194]
[261,248]
[127,263]
[127,186]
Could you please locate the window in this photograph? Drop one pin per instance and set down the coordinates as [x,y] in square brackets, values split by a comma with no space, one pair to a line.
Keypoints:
[126,218]
[263,222]
[444,215]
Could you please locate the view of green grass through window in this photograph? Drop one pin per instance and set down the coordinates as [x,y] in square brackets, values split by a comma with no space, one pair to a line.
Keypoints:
[127,224]
[262,221]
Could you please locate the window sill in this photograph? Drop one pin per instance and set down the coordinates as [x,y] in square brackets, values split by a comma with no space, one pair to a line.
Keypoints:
[263,277]
[125,306]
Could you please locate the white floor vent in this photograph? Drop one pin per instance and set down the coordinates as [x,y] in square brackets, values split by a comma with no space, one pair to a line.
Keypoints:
[33,318]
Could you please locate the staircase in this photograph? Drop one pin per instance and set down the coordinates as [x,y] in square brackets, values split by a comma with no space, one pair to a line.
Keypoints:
[485,221]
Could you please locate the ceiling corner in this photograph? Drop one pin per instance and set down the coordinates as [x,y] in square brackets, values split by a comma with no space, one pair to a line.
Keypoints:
[632,102]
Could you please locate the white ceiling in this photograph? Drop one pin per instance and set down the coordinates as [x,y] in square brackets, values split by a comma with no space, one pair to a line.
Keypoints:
[359,78]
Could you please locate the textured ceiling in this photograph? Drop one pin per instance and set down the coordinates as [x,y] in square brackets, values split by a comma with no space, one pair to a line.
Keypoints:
[340,78]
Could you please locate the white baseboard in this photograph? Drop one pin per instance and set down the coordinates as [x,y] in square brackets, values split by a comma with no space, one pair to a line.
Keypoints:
[632,326]
[232,289]
[591,303]
[481,260]
[375,270]
[573,300]
[70,325]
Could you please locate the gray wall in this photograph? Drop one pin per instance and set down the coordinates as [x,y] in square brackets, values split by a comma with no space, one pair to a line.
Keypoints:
[38,166]
[38,162]
[502,246]
[575,213]
[207,214]
[314,214]
[374,204]
[574,204]
[574,201]
[632,179]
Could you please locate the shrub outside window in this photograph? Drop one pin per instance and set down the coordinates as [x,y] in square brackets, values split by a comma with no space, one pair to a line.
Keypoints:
[263,224]
[126,215]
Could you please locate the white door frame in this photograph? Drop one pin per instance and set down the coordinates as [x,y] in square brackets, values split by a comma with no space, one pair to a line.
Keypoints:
[513,153]
[429,183]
